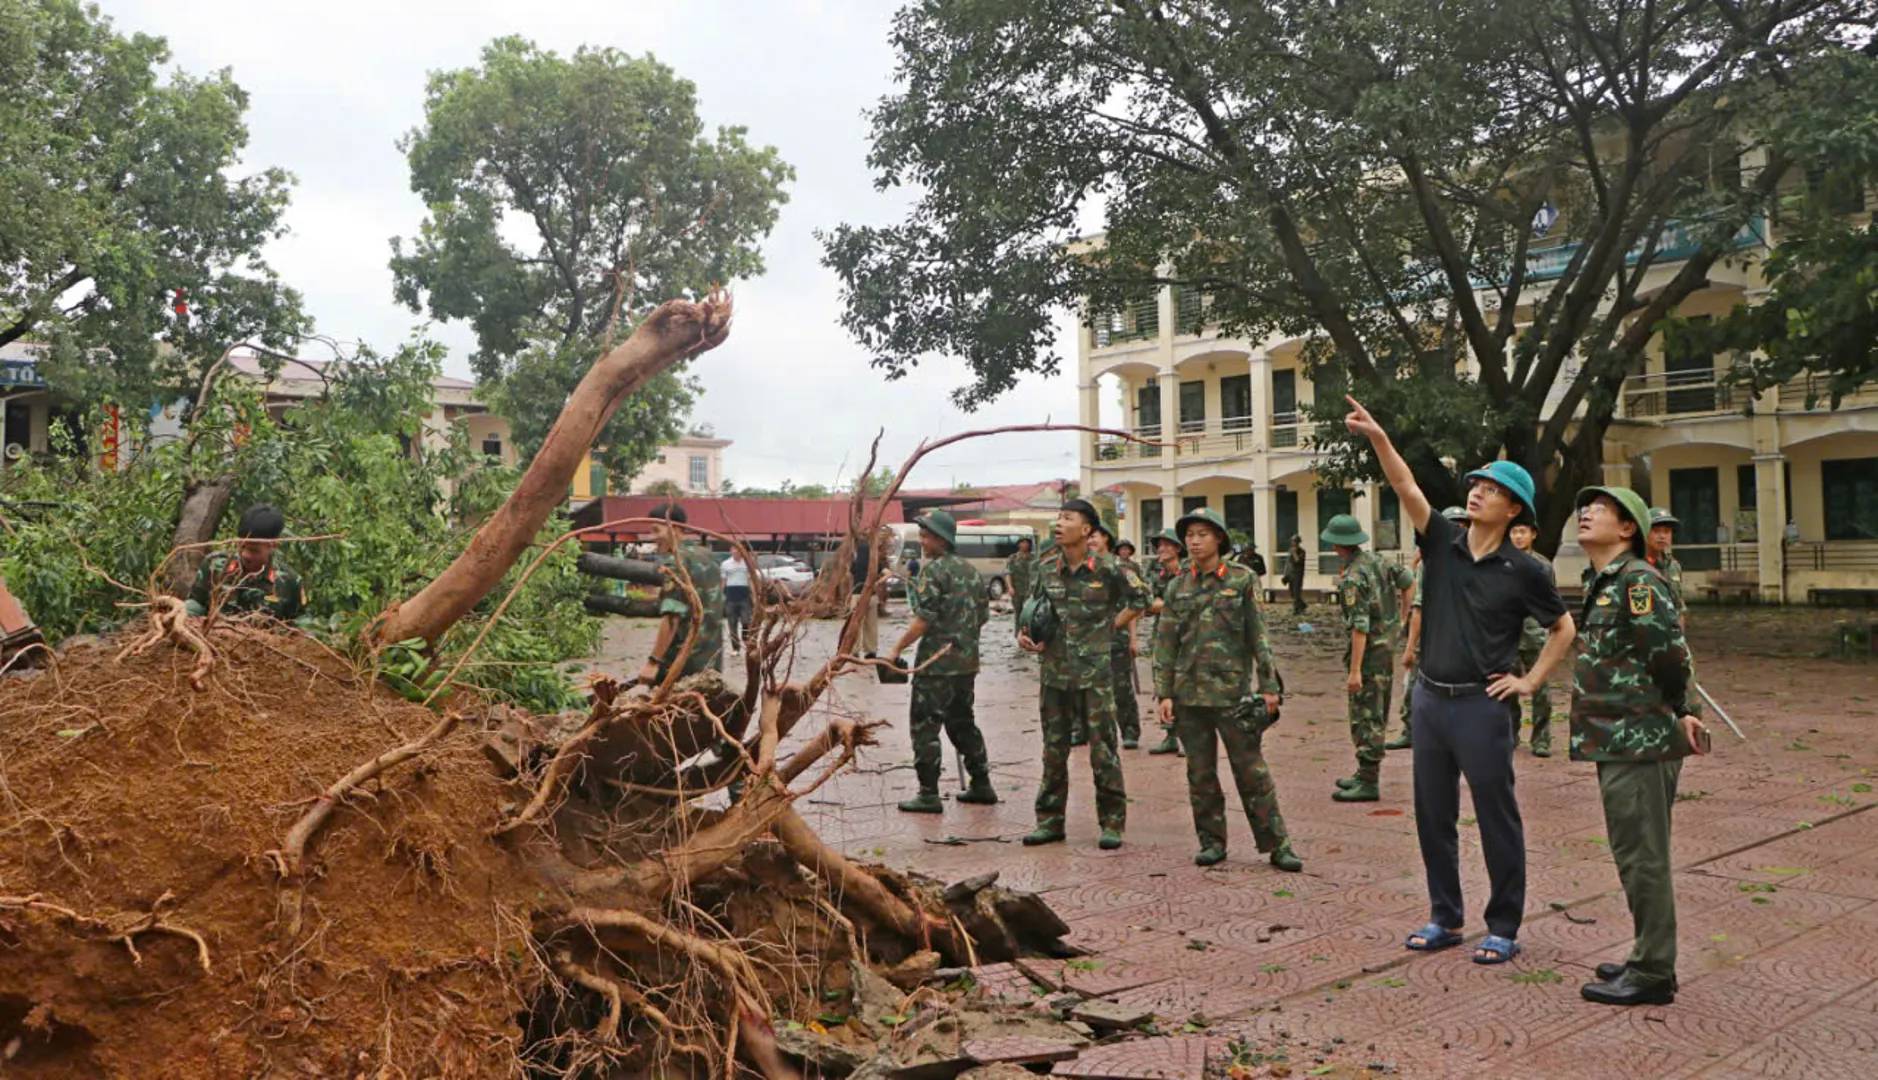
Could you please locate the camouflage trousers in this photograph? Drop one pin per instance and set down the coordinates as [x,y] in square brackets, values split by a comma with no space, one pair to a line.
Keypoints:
[1127,706]
[944,703]
[1061,710]
[1369,712]
[1198,727]
[1541,703]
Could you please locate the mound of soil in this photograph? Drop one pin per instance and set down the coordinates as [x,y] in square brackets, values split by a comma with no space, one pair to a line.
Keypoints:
[141,918]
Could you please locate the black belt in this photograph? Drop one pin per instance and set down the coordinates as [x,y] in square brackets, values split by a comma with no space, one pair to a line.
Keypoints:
[1452,690]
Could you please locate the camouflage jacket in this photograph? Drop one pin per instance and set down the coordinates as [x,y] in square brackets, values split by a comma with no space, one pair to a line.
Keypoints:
[1022,570]
[1088,597]
[950,596]
[1532,634]
[1632,677]
[707,577]
[1672,572]
[1363,594]
[1211,641]
[1396,578]
[275,589]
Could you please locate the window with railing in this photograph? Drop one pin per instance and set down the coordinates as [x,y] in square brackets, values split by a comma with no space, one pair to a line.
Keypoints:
[1235,402]
[1849,489]
[1138,320]
[1192,408]
[1189,310]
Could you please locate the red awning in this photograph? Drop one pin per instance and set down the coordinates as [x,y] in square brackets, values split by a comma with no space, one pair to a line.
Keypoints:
[747,519]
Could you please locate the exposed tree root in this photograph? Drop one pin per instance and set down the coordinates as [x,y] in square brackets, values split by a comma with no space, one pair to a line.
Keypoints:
[291,855]
[170,621]
[122,928]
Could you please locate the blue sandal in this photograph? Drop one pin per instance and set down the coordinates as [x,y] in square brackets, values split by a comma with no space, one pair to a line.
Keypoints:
[1498,949]
[1434,937]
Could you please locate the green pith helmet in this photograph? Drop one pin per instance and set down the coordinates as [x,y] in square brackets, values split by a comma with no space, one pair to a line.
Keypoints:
[1205,515]
[1630,504]
[1038,619]
[1660,516]
[1343,531]
[1456,514]
[940,524]
[1171,537]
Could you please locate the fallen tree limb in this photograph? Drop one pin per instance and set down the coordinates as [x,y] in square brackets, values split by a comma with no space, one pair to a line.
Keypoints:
[676,330]
[628,606]
[637,571]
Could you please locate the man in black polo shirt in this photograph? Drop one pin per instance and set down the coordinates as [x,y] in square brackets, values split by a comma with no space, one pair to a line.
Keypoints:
[1477,591]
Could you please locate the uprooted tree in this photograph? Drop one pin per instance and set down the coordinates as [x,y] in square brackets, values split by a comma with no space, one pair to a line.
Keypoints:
[1410,188]
[232,847]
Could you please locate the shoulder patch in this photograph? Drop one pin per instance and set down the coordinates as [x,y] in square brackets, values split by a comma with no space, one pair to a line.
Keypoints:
[1642,598]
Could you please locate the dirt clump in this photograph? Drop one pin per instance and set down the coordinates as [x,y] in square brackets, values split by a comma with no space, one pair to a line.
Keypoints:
[140,913]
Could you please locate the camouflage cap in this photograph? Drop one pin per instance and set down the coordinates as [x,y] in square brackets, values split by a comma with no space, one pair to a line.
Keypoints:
[1171,537]
[940,524]
[1629,504]
[1456,514]
[1660,516]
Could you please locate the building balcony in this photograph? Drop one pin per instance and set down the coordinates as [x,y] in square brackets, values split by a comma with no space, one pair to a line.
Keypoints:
[1676,242]
[1812,394]
[1665,395]
[1292,430]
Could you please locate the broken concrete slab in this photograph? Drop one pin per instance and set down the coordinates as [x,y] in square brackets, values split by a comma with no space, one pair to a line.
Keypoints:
[1020,1050]
[1098,1013]
[1180,1057]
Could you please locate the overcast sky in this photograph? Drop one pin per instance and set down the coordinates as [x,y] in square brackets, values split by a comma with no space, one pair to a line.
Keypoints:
[333,85]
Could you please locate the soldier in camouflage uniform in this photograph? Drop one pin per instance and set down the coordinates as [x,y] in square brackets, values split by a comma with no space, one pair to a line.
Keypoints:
[1633,713]
[1363,595]
[1019,571]
[1092,597]
[250,579]
[1209,649]
[949,610]
[675,611]
[1661,542]
[1122,647]
[1169,562]
[1531,644]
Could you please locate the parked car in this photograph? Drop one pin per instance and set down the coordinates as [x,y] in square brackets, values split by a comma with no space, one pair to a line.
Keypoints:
[785,572]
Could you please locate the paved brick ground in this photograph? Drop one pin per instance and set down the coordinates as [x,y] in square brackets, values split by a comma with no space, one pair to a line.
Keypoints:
[1777,880]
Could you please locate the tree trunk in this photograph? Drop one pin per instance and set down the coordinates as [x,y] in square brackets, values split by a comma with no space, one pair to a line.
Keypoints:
[636,571]
[604,604]
[204,503]
[677,330]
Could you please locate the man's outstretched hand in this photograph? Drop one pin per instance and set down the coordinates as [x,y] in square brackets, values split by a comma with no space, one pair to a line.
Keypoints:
[1360,422]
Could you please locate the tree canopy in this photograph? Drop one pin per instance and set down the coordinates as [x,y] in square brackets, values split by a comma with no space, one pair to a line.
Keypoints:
[602,159]
[1820,315]
[122,225]
[1407,185]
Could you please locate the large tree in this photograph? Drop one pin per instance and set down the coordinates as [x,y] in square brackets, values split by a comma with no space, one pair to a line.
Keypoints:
[122,226]
[602,161]
[1369,173]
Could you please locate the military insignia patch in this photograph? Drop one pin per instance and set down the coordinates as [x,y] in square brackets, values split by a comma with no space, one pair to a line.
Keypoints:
[1642,599]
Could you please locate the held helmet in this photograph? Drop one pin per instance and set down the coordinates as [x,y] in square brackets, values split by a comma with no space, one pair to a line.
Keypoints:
[1038,620]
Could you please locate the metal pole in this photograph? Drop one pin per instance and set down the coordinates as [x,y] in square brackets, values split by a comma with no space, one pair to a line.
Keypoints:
[1721,712]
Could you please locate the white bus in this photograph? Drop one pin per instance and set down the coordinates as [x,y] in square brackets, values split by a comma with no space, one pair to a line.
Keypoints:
[985,547]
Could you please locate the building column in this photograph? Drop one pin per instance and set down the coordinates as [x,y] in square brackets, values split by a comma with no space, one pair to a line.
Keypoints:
[1088,414]
[1771,528]
[1261,365]
[1265,524]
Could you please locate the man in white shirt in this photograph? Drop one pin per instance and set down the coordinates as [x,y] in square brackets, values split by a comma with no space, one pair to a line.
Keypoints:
[737,606]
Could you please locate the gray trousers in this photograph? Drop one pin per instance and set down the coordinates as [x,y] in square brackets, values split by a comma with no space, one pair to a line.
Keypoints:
[1638,796]
[1472,737]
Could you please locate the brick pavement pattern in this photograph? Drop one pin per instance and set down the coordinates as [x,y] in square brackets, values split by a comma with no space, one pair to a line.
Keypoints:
[1776,860]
